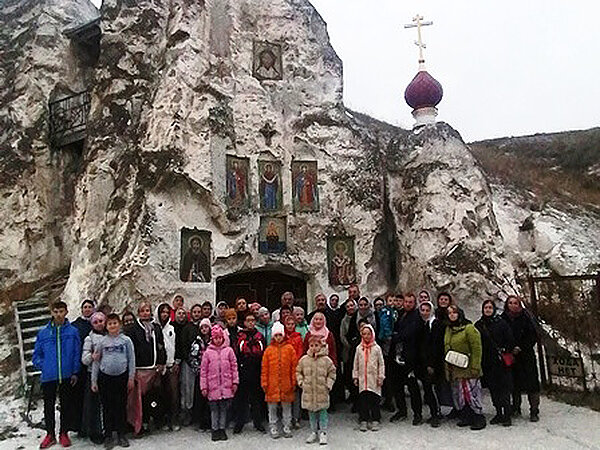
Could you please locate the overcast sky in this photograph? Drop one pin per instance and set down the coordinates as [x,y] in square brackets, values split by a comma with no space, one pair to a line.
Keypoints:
[507,68]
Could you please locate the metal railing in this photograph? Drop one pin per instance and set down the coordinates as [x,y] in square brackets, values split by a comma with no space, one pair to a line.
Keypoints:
[68,118]
[568,308]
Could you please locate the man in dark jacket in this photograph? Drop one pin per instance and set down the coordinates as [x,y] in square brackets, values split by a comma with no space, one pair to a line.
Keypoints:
[405,344]
[150,360]
[57,353]
[249,351]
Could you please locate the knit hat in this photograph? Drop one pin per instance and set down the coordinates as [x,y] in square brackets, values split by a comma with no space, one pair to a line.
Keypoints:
[97,315]
[217,331]
[206,321]
[277,328]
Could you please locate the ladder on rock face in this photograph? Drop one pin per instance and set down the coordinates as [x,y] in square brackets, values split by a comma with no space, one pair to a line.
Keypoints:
[30,315]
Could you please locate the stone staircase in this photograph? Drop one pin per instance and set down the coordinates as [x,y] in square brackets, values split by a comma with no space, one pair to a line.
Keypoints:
[32,314]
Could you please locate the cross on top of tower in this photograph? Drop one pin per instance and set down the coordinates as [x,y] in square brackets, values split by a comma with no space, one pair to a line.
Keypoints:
[418,23]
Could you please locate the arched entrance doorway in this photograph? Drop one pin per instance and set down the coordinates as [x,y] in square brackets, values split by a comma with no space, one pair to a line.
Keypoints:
[262,285]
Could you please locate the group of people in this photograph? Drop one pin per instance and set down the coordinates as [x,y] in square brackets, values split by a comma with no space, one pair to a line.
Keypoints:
[175,367]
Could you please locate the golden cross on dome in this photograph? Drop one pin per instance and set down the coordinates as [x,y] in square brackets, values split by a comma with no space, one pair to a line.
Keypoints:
[418,23]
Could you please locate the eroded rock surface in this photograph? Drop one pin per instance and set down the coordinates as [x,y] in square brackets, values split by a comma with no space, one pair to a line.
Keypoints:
[173,92]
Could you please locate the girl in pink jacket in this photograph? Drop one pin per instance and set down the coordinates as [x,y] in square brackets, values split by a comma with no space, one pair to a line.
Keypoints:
[218,381]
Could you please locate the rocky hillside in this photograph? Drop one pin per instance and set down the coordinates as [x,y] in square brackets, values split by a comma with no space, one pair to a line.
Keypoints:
[557,168]
[546,191]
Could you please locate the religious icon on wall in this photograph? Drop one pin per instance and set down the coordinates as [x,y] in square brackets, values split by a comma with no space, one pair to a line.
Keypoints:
[340,258]
[237,195]
[304,186]
[272,235]
[266,61]
[195,255]
[269,186]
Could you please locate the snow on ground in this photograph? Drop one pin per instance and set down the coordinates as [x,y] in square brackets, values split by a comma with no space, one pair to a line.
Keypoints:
[561,427]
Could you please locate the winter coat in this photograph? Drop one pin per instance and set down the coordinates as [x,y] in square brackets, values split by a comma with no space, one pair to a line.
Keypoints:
[232,334]
[168,332]
[180,350]
[219,372]
[57,352]
[189,332]
[297,342]
[432,352]
[315,374]
[302,328]
[331,347]
[197,350]
[147,354]
[278,374]
[463,338]
[406,339]
[249,350]
[370,371]
[347,350]
[265,330]
[496,337]
[84,327]
[334,319]
[90,344]
[353,334]
[524,370]
[386,322]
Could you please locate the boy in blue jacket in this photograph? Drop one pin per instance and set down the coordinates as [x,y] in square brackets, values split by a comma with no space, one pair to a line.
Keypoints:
[57,354]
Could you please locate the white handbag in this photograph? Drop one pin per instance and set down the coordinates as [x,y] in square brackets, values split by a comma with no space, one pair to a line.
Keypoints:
[457,359]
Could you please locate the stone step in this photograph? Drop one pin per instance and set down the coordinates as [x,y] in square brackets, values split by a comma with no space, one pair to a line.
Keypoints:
[32,303]
[31,331]
[33,312]
[31,322]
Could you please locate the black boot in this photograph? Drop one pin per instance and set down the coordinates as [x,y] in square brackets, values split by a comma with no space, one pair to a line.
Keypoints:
[506,416]
[435,421]
[498,418]
[465,417]
[214,435]
[398,416]
[534,406]
[478,422]
[454,414]
[534,415]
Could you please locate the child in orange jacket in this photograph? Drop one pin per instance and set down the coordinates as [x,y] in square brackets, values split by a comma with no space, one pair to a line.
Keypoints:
[278,380]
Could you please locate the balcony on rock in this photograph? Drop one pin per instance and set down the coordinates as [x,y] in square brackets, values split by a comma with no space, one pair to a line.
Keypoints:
[68,119]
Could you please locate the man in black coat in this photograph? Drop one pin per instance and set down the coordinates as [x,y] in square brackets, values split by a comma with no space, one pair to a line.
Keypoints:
[405,344]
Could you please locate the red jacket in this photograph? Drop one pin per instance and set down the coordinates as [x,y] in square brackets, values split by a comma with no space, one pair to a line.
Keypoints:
[295,339]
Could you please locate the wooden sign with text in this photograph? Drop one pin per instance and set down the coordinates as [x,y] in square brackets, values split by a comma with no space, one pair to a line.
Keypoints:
[565,366]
